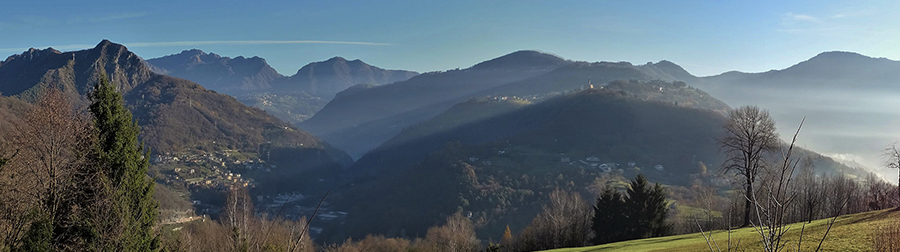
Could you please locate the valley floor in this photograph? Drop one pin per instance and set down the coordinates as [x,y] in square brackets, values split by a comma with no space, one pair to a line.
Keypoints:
[855,232]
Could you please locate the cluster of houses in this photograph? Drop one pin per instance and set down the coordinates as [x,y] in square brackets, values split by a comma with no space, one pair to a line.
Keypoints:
[593,162]
[209,170]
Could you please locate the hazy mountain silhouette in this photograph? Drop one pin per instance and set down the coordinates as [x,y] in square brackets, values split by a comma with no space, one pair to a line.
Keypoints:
[223,74]
[826,70]
[837,92]
[327,78]
[360,118]
[363,117]
[255,83]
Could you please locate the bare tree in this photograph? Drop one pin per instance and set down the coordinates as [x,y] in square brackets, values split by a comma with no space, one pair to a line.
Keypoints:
[809,190]
[773,201]
[565,222]
[893,159]
[238,217]
[750,134]
[371,243]
[53,143]
[458,235]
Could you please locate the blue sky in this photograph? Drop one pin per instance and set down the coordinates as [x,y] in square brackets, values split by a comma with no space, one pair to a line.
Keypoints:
[704,37]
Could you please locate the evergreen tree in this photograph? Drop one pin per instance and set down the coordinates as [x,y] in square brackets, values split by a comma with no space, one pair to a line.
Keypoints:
[123,162]
[640,213]
[610,220]
[648,208]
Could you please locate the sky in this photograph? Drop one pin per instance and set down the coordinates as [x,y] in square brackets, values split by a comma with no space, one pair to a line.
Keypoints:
[705,37]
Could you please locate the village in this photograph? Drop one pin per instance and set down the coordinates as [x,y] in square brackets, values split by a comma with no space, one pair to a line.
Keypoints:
[204,172]
[209,169]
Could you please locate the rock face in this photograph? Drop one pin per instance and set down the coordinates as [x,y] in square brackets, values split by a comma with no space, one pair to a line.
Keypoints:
[25,74]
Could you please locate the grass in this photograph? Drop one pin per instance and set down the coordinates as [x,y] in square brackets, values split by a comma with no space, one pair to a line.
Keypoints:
[855,232]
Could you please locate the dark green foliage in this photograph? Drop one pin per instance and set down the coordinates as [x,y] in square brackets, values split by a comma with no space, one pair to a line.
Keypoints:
[123,162]
[609,222]
[647,208]
[39,236]
[639,213]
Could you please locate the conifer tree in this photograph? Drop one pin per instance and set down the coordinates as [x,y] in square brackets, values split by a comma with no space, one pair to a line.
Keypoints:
[640,213]
[123,162]
[647,205]
[610,219]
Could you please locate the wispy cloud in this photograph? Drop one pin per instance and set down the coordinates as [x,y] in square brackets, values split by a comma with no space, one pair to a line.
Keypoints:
[119,16]
[857,13]
[202,43]
[801,17]
[247,42]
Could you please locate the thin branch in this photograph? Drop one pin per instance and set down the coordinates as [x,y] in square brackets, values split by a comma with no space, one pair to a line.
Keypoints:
[308,221]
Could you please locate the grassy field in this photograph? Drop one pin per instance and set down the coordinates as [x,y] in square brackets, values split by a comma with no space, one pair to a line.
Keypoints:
[854,232]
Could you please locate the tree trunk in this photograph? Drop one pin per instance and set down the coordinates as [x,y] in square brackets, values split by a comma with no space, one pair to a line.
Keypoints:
[748,205]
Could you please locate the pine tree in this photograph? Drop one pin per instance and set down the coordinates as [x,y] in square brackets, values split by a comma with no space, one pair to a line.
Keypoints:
[610,220]
[640,213]
[648,208]
[123,162]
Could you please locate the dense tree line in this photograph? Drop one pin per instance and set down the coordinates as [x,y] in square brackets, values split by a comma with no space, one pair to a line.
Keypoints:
[568,221]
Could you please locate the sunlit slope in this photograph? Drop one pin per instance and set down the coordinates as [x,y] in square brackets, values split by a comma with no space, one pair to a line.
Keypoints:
[855,232]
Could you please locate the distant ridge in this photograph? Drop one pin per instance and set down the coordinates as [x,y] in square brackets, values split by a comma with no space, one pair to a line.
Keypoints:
[255,83]
[836,69]
[521,60]
[224,74]
[327,78]
[363,117]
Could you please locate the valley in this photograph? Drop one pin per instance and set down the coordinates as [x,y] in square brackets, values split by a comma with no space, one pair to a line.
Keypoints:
[398,152]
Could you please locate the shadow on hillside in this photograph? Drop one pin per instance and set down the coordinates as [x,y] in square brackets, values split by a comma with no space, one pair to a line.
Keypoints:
[878,216]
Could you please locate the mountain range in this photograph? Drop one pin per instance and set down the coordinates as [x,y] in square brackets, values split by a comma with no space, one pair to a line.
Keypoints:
[223,74]
[848,100]
[291,98]
[175,114]
[361,118]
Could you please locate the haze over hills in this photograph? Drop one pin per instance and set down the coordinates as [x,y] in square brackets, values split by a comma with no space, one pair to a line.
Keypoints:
[361,118]
[502,162]
[473,121]
[847,99]
[327,78]
[175,114]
